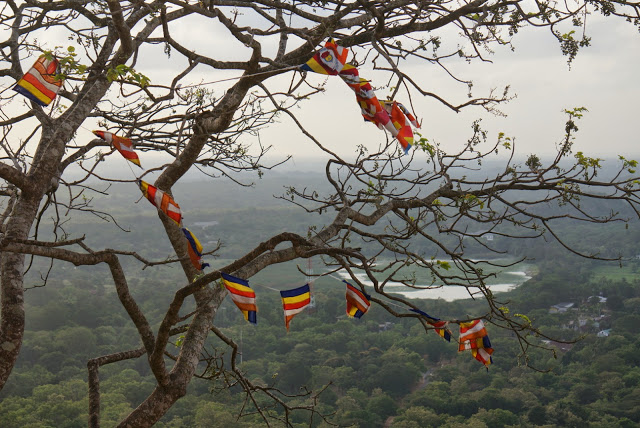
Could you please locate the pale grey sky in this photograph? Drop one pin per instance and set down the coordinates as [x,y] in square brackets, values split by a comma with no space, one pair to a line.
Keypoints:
[603,79]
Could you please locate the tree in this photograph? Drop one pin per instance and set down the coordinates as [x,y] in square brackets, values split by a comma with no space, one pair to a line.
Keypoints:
[380,203]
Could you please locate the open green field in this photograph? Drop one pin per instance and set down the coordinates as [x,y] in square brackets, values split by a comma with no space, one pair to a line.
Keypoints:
[629,272]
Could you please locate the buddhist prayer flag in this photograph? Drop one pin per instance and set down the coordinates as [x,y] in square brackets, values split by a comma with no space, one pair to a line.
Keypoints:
[472,330]
[40,84]
[357,301]
[473,336]
[350,75]
[440,326]
[328,60]
[161,201]
[123,145]
[370,107]
[195,249]
[294,301]
[387,115]
[399,117]
[405,134]
[410,116]
[242,295]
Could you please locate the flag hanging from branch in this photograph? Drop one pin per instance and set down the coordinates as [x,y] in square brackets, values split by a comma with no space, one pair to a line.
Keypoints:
[40,84]
[405,134]
[387,115]
[400,116]
[328,60]
[195,249]
[410,116]
[242,295]
[440,326]
[474,337]
[370,107]
[161,201]
[123,145]
[294,301]
[357,302]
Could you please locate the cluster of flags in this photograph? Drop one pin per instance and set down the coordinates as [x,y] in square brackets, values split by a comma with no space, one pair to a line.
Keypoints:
[294,301]
[41,84]
[159,199]
[473,334]
[390,115]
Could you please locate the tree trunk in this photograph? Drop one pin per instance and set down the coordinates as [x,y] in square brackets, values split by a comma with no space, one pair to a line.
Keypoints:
[12,271]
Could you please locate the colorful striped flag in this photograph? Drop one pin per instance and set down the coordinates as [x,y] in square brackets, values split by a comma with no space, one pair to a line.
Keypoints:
[370,107]
[162,201]
[399,116]
[410,116]
[123,145]
[195,249]
[294,301]
[40,84]
[357,302]
[328,60]
[405,134]
[440,326]
[387,115]
[474,337]
[242,295]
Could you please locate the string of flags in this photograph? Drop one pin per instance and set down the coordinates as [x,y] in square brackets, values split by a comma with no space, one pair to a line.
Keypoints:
[473,334]
[159,199]
[41,85]
[389,114]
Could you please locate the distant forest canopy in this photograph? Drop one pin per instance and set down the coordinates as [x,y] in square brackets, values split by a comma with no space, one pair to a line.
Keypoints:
[301,167]
[239,217]
[380,370]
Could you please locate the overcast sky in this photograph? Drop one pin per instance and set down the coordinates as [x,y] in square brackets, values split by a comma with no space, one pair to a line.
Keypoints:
[603,78]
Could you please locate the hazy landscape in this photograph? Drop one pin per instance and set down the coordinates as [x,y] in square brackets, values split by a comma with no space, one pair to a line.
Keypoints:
[380,370]
[394,214]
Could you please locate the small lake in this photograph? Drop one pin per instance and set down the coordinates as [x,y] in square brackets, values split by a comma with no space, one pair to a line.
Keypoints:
[505,280]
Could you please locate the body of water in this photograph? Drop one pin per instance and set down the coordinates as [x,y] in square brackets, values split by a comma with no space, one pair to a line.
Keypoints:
[505,281]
